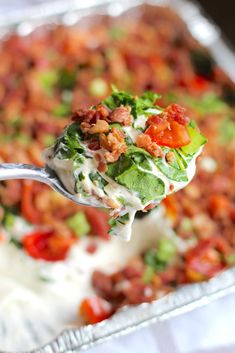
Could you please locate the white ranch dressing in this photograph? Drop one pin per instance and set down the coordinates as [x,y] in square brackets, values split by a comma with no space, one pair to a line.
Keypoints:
[39,299]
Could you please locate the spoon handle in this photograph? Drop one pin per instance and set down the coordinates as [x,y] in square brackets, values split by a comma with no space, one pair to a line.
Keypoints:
[22,171]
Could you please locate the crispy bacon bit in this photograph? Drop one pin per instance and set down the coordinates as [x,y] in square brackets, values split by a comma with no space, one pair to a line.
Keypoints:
[175,112]
[93,145]
[83,115]
[170,157]
[121,115]
[144,141]
[114,143]
[102,167]
[98,157]
[103,111]
[85,126]
[171,187]
[99,127]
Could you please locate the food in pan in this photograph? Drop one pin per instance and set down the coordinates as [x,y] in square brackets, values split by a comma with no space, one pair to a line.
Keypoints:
[126,154]
[64,250]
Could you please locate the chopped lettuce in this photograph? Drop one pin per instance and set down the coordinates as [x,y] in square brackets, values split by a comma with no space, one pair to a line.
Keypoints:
[197,140]
[68,146]
[147,185]
[170,171]
[132,171]
[138,105]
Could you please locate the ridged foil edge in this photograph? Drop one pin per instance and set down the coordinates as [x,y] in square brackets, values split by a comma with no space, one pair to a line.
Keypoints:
[187,297]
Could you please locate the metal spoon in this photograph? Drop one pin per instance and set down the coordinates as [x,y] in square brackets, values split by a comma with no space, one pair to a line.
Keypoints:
[44,175]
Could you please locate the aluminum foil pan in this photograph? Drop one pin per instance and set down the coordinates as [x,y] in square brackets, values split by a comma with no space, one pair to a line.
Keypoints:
[183,299]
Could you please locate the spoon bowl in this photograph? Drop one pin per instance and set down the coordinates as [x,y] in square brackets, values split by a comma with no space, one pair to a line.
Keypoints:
[44,175]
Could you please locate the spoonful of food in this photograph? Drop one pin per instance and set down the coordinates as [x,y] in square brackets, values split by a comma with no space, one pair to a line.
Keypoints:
[126,154]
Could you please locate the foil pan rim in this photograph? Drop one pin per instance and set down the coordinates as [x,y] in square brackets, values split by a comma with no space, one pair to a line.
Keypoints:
[187,297]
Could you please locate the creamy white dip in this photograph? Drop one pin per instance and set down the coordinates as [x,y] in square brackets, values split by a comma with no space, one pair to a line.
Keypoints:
[39,299]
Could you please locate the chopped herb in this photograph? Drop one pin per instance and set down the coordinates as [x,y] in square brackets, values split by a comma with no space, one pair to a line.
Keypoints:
[16,243]
[98,179]
[79,224]
[68,146]
[113,222]
[81,176]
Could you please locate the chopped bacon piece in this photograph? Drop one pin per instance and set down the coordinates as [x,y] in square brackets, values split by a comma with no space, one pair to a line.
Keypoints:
[99,127]
[144,141]
[114,143]
[121,115]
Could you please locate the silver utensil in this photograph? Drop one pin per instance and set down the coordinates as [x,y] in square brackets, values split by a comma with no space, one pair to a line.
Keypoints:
[44,175]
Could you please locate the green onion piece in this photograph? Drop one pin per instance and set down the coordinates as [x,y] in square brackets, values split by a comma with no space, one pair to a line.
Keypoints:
[98,87]
[48,140]
[48,79]
[8,220]
[148,275]
[230,259]
[62,109]
[166,250]
[79,224]
[227,130]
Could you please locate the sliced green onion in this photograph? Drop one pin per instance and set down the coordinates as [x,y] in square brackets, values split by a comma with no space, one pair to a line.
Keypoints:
[98,87]
[79,224]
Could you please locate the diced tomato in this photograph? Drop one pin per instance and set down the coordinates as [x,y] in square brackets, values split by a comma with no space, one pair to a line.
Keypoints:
[47,245]
[169,127]
[171,206]
[205,260]
[98,221]
[94,309]
[198,84]
[28,208]
[176,135]
[219,205]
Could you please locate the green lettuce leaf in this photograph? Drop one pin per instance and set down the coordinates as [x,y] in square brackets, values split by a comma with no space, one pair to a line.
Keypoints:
[197,139]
